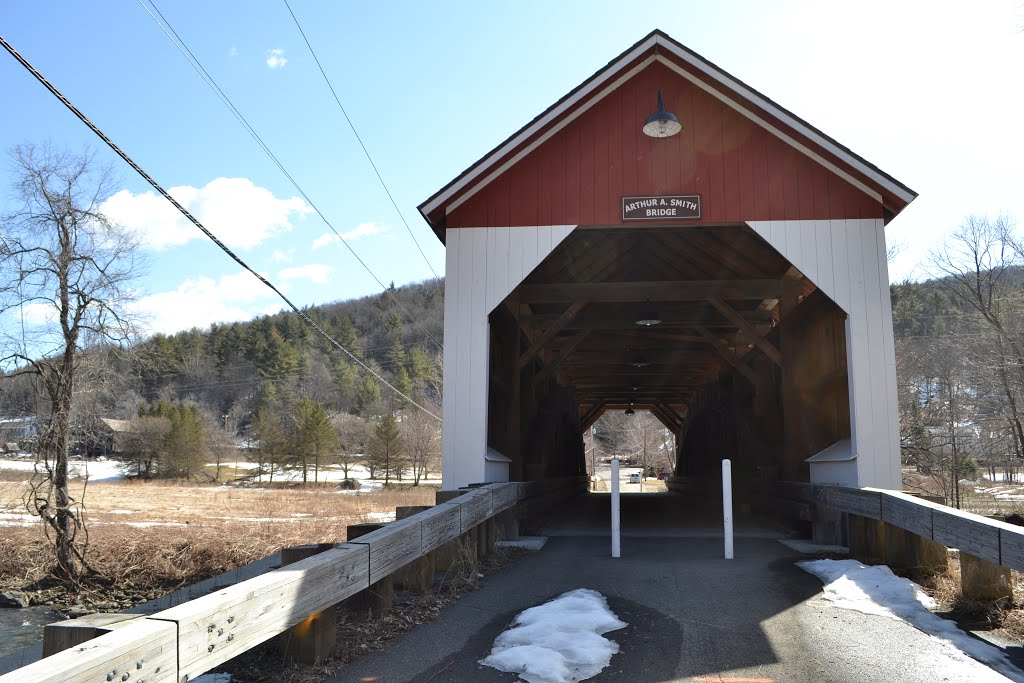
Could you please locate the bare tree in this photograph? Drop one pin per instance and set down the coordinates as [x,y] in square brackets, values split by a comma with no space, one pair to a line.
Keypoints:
[422,436]
[353,432]
[65,265]
[975,266]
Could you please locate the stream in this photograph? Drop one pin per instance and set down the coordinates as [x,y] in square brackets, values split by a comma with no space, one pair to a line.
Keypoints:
[20,628]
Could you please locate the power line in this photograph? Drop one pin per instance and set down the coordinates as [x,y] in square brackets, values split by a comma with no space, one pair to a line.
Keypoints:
[159,188]
[187,53]
[359,139]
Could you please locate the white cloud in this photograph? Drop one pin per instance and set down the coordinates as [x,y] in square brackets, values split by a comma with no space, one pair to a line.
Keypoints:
[282,256]
[317,273]
[233,52]
[276,58]
[202,301]
[240,213]
[361,230]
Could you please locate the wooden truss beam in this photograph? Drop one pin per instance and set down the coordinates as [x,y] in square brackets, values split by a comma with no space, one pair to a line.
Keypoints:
[563,353]
[552,330]
[728,356]
[592,415]
[619,292]
[747,329]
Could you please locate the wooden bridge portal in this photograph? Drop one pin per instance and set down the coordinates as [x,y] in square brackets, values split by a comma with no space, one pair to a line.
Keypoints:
[730,278]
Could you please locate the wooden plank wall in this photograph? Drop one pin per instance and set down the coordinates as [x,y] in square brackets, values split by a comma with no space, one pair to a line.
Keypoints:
[846,259]
[815,389]
[483,265]
[742,170]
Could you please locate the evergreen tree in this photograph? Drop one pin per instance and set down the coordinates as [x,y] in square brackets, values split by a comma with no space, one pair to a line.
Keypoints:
[270,431]
[368,393]
[315,437]
[386,447]
[184,448]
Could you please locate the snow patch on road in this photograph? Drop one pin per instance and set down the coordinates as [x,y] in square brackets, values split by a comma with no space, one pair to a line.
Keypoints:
[876,590]
[560,641]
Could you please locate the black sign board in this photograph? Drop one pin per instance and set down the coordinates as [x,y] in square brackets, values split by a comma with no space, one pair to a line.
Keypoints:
[661,207]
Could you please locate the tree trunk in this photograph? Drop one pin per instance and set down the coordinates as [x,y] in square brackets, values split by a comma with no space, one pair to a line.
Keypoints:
[60,428]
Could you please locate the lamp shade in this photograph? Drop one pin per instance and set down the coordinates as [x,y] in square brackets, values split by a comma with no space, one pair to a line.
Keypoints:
[662,124]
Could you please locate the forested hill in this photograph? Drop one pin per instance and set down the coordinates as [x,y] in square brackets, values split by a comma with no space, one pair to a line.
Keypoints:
[230,369]
[398,333]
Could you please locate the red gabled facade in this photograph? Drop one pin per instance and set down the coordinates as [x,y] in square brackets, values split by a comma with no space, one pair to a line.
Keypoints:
[595,153]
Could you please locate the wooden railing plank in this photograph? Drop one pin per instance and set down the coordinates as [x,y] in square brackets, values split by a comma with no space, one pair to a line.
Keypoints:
[503,496]
[956,529]
[1011,548]
[909,515]
[147,651]
[216,627]
[857,501]
[393,546]
[440,524]
[476,507]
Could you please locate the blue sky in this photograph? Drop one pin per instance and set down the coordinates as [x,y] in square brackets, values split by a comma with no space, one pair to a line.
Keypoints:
[928,92]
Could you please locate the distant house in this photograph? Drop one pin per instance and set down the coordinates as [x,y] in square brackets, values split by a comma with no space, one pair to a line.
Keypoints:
[17,432]
[113,435]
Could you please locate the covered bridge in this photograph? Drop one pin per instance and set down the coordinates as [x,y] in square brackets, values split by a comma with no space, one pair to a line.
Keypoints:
[721,264]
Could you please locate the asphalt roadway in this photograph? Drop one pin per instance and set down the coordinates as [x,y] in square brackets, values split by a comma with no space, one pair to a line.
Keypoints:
[693,616]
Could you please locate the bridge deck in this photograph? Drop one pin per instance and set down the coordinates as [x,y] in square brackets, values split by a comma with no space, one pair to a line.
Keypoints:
[692,616]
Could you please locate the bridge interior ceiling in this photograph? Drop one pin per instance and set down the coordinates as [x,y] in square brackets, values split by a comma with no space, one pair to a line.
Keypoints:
[719,291]
[715,290]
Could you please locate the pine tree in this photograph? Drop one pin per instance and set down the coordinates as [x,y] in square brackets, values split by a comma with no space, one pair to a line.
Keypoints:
[314,435]
[184,448]
[273,440]
[386,448]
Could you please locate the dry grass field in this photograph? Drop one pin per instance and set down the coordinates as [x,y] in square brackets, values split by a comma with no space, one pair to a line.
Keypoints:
[146,538]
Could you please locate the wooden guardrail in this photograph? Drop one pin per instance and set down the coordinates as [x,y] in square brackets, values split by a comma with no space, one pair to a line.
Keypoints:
[989,539]
[913,534]
[180,643]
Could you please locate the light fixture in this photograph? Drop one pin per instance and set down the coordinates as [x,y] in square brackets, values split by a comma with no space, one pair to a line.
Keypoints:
[639,362]
[662,124]
[649,319]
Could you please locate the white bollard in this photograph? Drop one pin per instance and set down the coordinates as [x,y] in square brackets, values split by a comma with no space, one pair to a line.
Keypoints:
[615,507]
[727,506]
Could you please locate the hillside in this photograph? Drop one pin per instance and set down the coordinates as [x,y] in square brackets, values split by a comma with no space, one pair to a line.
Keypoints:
[228,370]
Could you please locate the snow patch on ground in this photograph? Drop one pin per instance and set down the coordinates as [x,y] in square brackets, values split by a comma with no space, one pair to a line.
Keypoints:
[560,641]
[97,470]
[876,590]
[811,548]
[380,516]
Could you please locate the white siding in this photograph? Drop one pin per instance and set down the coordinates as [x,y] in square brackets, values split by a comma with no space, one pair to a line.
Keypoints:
[846,260]
[483,266]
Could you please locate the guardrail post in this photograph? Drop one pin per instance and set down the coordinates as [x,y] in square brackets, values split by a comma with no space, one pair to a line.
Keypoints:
[314,639]
[418,575]
[926,557]
[867,539]
[982,580]
[380,596]
[897,547]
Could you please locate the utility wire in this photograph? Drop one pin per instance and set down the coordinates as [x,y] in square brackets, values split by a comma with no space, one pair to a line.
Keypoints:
[358,138]
[159,188]
[187,53]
